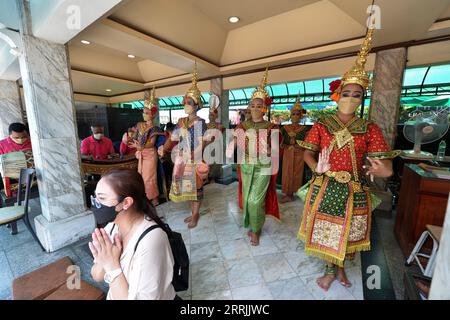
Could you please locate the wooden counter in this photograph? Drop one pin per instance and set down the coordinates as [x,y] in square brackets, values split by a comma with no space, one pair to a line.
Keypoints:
[423,200]
[104,166]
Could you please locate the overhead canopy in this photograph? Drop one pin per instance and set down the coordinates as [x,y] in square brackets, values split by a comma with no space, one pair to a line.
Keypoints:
[419,85]
[426,81]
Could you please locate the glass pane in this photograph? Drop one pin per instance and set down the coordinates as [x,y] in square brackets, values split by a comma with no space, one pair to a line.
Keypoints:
[204,114]
[177,114]
[249,92]
[164,116]
[296,87]
[238,94]
[414,76]
[314,86]
[178,100]
[278,90]
[173,100]
[438,74]
[162,102]
[205,98]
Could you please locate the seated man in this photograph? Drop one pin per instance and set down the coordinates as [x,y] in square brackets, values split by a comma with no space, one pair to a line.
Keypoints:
[18,140]
[97,146]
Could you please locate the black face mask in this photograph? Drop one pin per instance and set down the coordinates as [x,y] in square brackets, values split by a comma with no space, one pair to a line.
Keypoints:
[103,214]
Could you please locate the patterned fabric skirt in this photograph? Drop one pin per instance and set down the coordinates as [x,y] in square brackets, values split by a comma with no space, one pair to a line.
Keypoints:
[255,182]
[336,219]
[292,174]
[147,167]
[187,184]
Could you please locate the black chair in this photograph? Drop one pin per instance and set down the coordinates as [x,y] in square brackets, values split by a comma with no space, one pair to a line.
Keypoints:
[10,215]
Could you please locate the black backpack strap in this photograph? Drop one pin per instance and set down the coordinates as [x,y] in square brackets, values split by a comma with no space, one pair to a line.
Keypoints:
[144,233]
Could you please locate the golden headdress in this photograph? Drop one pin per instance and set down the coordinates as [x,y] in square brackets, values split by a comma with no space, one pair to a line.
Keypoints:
[297,106]
[357,74]
[151,102]
[194,91]
[261,92]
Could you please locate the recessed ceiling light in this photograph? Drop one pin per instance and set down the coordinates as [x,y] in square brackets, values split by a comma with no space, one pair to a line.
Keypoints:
[108,90]
[131,56]
[233,19]
[85,42]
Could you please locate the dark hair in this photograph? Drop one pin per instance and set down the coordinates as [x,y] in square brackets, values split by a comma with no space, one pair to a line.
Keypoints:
[97,125]
[17,127]
[129,183]
[170,126]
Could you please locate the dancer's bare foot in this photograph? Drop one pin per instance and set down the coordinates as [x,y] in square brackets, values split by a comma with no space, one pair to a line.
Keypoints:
[342,277]
[327,279]
[254,238]
[155,202]
[249,233]
[193,223]
[188,219]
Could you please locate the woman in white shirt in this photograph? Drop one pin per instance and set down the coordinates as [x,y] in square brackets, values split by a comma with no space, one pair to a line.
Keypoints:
[137,273]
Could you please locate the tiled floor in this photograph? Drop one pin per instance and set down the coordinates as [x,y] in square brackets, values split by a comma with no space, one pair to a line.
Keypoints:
[223,263]
[225,266]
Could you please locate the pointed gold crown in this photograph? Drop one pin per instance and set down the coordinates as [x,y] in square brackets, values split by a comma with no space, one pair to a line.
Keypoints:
[261,91]
[152,100]
[357,74]
[297,106]
[194,91]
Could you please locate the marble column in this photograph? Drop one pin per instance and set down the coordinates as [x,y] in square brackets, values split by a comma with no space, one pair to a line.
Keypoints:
[217,89]
[146,95]
[385,104]
[44,67]
[10,106]
[386,91]
[226,174]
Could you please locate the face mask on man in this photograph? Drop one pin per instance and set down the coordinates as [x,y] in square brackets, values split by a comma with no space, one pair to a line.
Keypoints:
[19,140]
[348,105]
[103,214]
[188,109]
[98,136]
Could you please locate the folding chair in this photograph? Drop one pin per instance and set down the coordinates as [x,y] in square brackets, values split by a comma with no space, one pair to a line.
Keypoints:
[10,215]
[434,232]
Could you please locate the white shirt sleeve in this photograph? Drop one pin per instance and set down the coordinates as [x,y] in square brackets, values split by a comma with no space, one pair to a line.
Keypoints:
[151,272]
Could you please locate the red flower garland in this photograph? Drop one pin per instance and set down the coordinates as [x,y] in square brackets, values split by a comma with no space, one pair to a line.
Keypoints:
[334,88]
[334,85]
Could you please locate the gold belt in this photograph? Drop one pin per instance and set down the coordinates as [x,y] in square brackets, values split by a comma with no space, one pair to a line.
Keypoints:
[343,177]
[340,176]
